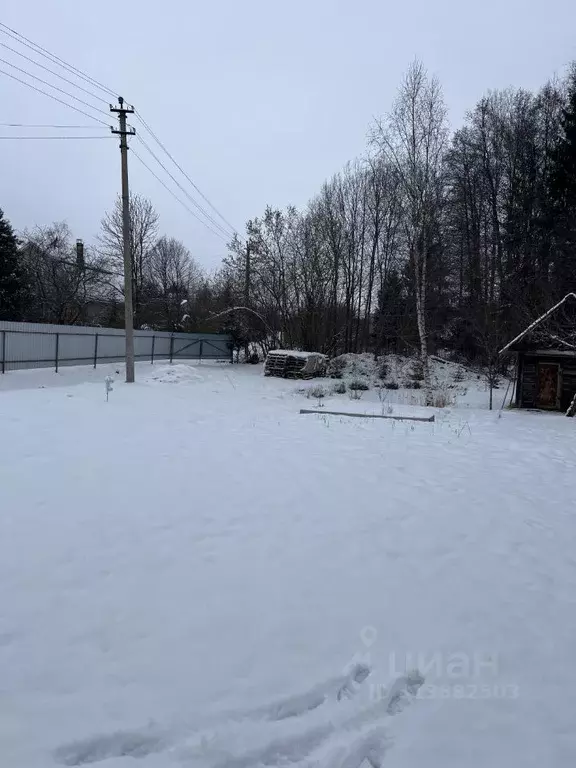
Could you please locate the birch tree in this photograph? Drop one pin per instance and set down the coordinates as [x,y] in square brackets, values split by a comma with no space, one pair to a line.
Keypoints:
[412,138]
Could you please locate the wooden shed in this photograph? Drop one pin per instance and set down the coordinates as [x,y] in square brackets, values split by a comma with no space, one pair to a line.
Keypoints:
[546,365]
[546,378]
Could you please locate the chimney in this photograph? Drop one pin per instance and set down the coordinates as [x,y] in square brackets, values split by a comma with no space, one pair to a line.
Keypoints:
[80,254]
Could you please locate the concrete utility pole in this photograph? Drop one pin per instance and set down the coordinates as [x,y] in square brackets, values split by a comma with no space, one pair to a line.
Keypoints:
[247,293]
[247,275]
[122,111]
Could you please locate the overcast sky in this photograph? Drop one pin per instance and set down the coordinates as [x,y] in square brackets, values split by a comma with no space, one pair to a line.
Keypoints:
[258,100]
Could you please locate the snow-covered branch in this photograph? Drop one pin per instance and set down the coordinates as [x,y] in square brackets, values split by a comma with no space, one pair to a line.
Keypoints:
[537,322]
[241,309]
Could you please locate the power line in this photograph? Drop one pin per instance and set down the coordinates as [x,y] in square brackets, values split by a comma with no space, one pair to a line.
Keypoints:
[48,125]
[51,96]
[188,195]
[44,138]
[52,72]
[175,196]
[22,40]
[50,85]
[56,60]
[183,172]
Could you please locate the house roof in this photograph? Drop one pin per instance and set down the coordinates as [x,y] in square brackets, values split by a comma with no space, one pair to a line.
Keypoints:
[553,341]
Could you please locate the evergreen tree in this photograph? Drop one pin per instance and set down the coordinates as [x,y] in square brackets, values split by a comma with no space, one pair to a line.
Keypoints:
[13,284]
[562,190]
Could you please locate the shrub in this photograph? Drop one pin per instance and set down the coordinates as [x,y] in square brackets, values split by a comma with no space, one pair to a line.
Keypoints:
[391,385]
[339,389]
[459,375]
[417,372]
[318,392]
[412,385]
[336,367]
[357,385]
[440,399]
[382,371]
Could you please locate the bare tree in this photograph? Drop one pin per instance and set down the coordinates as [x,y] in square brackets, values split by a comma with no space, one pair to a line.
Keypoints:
[175,276]
[412,138]
[61,288]
[143,234]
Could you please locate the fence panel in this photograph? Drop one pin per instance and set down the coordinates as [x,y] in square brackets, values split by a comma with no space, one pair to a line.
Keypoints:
[36,345]
[110,348]
[29,351]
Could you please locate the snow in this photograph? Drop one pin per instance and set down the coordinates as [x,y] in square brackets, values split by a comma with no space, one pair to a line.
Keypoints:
[297,353]
[193,574]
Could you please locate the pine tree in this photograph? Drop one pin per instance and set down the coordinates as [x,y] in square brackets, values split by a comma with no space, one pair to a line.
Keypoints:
[13,285]
[562,192]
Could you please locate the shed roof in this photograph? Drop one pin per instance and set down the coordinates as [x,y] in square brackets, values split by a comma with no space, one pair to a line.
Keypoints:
[552,341]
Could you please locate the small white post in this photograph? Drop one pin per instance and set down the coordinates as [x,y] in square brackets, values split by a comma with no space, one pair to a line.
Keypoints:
[108,381]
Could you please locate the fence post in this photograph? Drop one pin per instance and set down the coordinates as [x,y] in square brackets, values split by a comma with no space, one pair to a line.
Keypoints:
[153,343]
[201,348]
[3,351]
[95,350]
[171,348]
[56,352]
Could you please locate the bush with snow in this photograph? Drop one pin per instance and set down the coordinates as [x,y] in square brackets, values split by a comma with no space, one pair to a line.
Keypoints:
[339,388]
[459,375]
[317,392]
[383,370]
[353,365]
[417,371]
[358,385]
[336,367]
[441,398]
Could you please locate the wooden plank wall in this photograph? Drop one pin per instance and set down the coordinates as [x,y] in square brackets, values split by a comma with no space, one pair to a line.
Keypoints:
[529,382]
[568,383]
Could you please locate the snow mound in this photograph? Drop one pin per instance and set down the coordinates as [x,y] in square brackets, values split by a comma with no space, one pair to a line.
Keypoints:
[179,373]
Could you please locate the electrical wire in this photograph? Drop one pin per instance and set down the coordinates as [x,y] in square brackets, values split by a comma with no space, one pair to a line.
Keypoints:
[188,195]
[52,72]
[54,59]
[43,138]
[51,96]
[22,40]
[50,85]
[175,196]
[48,125]
[218,226]
[183,172]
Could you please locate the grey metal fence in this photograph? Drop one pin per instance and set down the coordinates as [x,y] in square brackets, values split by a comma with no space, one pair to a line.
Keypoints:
[37,345]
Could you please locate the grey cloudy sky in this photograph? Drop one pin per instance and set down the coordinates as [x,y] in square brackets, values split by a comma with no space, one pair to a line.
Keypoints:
[259,100]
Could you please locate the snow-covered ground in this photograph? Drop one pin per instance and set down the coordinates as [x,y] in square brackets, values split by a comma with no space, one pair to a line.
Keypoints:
[194,574]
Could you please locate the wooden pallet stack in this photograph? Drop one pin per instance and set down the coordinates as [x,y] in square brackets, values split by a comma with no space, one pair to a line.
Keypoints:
[294,365]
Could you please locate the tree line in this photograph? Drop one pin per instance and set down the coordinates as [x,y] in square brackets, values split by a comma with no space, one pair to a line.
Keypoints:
[430,240]
[47,277]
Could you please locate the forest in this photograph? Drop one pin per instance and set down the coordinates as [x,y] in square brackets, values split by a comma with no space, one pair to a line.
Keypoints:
[432,239]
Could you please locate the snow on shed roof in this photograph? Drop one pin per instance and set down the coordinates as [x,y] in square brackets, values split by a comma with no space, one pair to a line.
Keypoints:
[537,322]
